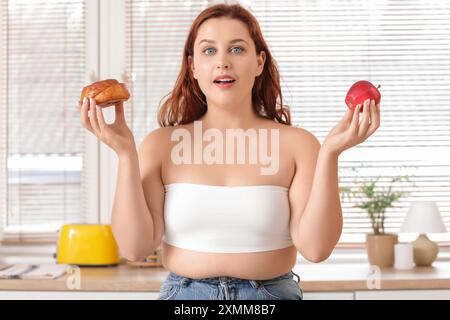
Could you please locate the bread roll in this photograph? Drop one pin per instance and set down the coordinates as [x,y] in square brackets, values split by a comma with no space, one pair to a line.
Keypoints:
[106,92]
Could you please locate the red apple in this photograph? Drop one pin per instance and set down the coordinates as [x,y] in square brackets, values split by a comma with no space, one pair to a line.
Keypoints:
[359,92]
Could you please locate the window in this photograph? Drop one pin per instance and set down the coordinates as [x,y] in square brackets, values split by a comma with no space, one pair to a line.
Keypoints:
[49,165]
[155,35]
[322,47]
[42,148]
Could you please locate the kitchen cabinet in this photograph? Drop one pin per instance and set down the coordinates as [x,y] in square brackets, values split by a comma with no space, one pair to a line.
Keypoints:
[356,295]
[328,295]
[403,295]
[77,295]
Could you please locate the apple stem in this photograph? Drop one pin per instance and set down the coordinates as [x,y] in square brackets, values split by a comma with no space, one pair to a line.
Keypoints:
[379,86]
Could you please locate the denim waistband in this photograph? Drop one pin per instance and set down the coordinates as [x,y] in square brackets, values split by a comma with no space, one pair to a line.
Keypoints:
[216,280]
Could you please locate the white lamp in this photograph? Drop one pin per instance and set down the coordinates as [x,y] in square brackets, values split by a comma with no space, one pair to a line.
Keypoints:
[423,217]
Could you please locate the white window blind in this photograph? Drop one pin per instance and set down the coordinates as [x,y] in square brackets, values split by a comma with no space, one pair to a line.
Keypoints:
[41,140]
[155,34]
[322,47]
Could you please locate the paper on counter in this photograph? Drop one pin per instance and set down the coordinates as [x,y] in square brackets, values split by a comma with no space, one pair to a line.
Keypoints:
[46,271]
[34,271]
[15,271]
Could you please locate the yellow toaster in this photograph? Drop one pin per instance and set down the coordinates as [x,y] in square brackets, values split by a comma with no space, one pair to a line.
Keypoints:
[87,245]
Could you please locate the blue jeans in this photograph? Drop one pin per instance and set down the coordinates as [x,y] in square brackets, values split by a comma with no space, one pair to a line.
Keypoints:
[177,287]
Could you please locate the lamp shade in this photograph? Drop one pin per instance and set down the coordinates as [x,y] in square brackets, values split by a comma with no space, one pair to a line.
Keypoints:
[423,217]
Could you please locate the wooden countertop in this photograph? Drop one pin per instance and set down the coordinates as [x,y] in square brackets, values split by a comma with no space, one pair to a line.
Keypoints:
[314,278]
[360,276]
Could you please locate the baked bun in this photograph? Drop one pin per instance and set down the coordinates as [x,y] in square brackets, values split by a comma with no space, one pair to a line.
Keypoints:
[106,92]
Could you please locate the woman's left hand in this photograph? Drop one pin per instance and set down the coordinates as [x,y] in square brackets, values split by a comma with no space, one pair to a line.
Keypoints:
[349,132]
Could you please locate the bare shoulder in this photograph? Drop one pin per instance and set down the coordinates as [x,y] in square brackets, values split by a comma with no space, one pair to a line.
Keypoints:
[301,142]
[152,149]
[303,135]
[156,140]
[295,135]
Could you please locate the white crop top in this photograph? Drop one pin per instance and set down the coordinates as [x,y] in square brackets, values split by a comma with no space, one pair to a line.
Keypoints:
[226,219]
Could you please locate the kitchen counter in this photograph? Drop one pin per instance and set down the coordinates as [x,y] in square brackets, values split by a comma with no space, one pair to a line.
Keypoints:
[320,277]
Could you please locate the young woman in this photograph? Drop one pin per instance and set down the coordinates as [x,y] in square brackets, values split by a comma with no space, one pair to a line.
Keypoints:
[228,229]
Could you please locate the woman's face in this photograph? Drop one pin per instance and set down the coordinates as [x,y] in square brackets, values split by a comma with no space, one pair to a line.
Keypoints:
[217,52]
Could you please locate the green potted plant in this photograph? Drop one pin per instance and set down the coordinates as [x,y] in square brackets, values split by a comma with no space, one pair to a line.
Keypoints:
[375,200]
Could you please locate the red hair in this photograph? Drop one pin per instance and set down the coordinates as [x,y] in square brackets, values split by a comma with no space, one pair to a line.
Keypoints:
[187,103]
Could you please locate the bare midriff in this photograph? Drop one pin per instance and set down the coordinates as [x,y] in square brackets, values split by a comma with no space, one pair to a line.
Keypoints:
[248,265]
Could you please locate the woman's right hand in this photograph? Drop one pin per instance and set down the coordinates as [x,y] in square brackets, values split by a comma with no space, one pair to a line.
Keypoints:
[116,135]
